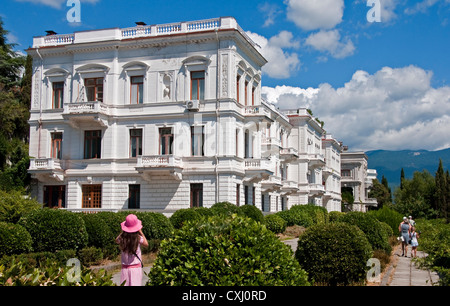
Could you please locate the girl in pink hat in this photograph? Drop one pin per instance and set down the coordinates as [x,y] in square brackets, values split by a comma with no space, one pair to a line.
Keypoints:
[130,241]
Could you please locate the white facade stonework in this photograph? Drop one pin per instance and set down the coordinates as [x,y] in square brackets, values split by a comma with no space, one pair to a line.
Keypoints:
[165,117]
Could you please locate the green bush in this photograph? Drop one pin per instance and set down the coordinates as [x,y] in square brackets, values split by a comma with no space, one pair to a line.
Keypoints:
[334,254]
[113,221]
[181,216]
[90,256]
[224,209]
[435,241]
[155,225]
[388,215]
[251,212]
[99,233]
[275,223]
[374,230]
[218,251]
[14,239]
[319,215]
[54,229]
[334,215]
[39,259]
[50,274]
[14,204]
[296,217]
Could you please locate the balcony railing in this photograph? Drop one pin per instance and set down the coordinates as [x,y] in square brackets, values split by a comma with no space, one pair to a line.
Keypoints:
[86,107]
[142,31]
[159,161]
[45,164]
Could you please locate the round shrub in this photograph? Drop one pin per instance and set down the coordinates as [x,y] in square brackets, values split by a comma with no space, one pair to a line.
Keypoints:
[375,232]
[99,233]
[14,239]
[275,223]
[181,216]
[217,251]
[113,221]
[296,217]
[334,253]
[204,212]
[334,216]
[54,229]
[389,216]
[13,205]
[155,225]
[251,212]
[224,209]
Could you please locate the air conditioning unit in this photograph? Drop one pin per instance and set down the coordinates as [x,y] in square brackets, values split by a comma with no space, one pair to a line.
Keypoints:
[193,105]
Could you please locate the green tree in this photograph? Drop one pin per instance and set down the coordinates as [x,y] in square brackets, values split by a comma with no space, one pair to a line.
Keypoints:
[417,196]
[441,191]
[10,62]
[381,193]
[402,177]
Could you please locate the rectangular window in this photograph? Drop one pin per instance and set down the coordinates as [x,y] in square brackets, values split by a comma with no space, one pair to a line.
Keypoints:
[56,145]
[246,195]
[55,196]
[134,197]
[91,196]
[94,89]
[197,85]
[196,195]
[197,140]
[238,80]
[92,144]
[253,195]
[165,141]
[137,90]
[253,95]
[58,95]
[345,173]
[135,142]
[246,93]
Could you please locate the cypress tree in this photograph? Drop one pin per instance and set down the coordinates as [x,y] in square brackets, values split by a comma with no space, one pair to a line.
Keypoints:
[441,191]
[402,177]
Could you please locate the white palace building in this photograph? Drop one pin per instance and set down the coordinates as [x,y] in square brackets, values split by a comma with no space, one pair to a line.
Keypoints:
[170,116]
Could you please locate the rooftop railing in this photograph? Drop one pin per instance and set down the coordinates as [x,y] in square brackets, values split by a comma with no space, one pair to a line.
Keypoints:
[141,31]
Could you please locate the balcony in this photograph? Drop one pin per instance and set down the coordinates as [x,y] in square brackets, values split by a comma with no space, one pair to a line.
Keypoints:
[316,161]
[316,189]
[257,170]
[289,187]
[152,165]
[271,183]
[288,154]
[96,113]
[46,169]
[257,113]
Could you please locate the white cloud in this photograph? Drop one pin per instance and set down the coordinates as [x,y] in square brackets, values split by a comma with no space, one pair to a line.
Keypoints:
[315,14]
[281,64]
[329,41]
[394,108]
[57,4]
[271,11]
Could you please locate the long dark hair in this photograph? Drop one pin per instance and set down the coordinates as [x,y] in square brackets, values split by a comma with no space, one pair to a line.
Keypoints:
[128,242]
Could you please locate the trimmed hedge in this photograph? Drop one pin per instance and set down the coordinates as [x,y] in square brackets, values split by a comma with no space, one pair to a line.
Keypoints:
[14,239]
[251,212]
[334,254]
[181,216]
[275,223]
[376,233]
[99,233]
[218,251]
[53,229]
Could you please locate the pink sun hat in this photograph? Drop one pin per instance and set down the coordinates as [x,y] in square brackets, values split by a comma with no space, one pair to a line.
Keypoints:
[131,224]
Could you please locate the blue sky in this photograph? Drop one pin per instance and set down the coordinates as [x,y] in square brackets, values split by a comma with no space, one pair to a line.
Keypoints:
[380,85]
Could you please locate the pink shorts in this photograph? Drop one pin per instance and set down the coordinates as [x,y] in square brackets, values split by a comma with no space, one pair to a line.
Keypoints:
[132,275]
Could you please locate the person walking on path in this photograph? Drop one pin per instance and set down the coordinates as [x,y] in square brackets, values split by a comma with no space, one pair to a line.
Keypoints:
[414,241]
[411,221]
[130,241]
[405,229]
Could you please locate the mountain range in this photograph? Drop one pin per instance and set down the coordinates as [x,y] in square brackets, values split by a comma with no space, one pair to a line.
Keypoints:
[390,163]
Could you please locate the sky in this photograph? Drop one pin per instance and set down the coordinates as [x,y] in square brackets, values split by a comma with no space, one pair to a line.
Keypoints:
[377,72]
